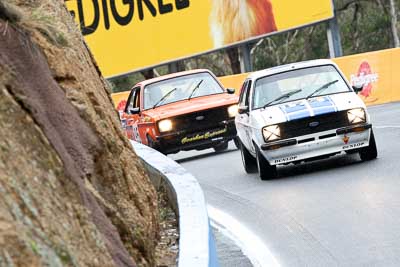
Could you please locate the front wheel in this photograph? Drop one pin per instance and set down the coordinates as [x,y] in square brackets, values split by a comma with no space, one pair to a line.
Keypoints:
[249,162]
[237,142]
[151,143]
[370,152]
[221,147]
[265,170]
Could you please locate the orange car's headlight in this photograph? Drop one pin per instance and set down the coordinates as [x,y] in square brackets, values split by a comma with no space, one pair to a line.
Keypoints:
[165,125]
[233,110]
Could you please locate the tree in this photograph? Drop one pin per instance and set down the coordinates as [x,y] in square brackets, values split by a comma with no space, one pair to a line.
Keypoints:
[365,25]
[298,45]
[393,16]
[125,82]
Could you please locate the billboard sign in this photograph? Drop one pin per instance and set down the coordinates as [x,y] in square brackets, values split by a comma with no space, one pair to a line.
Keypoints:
[130,35]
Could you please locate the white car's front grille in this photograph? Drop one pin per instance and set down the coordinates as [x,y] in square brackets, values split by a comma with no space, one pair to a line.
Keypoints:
[311,125]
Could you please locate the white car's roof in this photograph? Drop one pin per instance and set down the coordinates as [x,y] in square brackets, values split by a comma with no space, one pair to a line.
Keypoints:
[288,67]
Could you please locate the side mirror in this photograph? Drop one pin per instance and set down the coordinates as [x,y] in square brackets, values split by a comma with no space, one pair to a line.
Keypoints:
[133,111]
[243,109]
[358,88]
[230,91]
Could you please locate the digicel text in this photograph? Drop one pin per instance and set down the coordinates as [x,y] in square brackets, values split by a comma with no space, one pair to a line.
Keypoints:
[162,7]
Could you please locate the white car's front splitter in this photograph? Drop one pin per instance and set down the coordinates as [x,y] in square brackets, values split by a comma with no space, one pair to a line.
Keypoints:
[317,147]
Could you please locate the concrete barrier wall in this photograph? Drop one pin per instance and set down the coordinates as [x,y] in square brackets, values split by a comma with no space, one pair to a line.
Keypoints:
[233,81]
[196,241]
[377,70]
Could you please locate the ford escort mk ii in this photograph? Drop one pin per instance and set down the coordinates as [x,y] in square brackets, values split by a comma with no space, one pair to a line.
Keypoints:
[300,112]
[181,111]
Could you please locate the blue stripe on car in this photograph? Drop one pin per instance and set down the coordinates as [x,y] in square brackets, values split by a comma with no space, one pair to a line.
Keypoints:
[322,105]
[333,103]
[295,112]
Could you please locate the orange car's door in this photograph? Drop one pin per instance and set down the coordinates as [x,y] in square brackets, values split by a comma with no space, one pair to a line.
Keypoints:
[132,112]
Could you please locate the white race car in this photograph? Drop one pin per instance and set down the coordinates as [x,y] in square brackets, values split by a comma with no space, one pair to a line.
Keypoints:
[300,112]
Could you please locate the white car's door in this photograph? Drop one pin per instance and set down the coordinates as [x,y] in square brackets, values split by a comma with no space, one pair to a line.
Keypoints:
[243,119]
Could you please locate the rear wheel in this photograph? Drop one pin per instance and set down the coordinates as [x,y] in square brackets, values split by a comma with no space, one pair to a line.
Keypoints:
[221,147]
[265,170]
[249,162]
[370,152]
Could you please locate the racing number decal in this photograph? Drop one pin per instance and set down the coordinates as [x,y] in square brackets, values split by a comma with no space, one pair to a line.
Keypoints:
[136,134]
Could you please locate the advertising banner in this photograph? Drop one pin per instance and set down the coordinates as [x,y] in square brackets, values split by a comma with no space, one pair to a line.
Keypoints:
[376,71]
[129,35]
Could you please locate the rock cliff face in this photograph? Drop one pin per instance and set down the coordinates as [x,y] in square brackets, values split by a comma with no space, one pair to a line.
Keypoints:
[72,191]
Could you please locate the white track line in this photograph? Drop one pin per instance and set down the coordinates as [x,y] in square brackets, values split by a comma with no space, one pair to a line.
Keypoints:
[250,244]
[387,127]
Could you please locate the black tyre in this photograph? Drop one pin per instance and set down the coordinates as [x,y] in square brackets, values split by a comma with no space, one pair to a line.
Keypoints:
[265,170]
[221,147]
[370,152]
[151,143]
[237,142]
[249,162]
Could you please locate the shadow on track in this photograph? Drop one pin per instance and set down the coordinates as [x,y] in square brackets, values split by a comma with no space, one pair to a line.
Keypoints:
[336,162]
[210,154]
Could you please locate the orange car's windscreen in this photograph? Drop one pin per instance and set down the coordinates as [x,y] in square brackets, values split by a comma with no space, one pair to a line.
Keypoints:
[180,88]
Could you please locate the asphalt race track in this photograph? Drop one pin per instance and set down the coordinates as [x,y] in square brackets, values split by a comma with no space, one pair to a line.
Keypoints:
[334,212]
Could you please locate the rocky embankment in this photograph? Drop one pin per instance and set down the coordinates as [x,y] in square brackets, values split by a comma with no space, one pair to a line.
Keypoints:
[72,191]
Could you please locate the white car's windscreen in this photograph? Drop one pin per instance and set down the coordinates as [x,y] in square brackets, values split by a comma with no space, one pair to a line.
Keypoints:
[297,84]
[180,88]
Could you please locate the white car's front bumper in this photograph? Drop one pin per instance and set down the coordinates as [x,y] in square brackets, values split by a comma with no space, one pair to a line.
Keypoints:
[314,147]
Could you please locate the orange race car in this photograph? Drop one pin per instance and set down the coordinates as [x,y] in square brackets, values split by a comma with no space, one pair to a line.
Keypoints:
[181,111]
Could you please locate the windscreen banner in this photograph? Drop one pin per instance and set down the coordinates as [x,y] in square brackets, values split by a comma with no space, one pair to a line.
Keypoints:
[130,35]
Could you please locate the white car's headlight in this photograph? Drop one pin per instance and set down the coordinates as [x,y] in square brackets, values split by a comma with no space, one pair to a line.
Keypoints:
[233,110]
[271,133]
[356,115]
[165,125]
